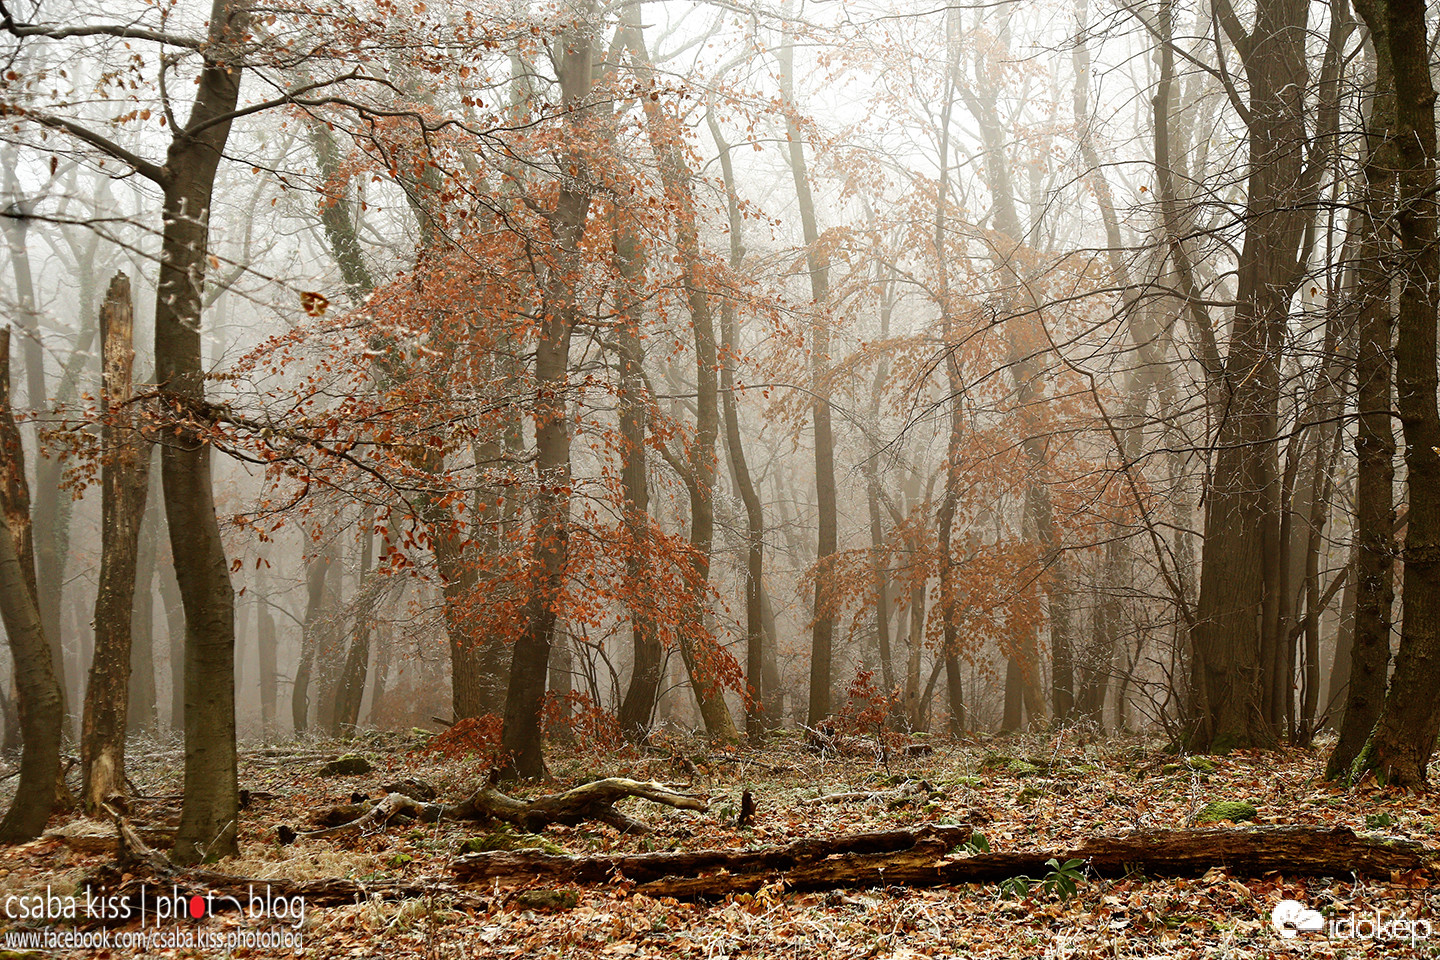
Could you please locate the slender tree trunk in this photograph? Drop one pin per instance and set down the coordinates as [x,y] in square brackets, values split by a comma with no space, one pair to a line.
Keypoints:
[40,705]
[1404,738]
[817,261]
[351,687]
[144,714]
[525,696]
[269,650]
[316,571]
[169,591]
[756,719]
[124,478]
[637,710]
[701,660]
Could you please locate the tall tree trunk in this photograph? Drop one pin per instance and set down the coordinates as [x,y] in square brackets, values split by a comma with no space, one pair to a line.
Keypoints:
[822,635]
[208,814]
[169,591]
[757,694]
[521,738]
[40,705]
[1372,585]
[1404,738]
[1242,554]
[637,710]
[49,558]
[124,477]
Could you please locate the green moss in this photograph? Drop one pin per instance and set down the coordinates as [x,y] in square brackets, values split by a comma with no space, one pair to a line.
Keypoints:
[973,783]
[1379,821]
[1236,811]
[349,765]
[1030,792]
[504,838]
[562,899]
[1023,768]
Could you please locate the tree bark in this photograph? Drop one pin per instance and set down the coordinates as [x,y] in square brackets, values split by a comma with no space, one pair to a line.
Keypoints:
[143,716]
[1237,584]
[521,738]
[1404,737]
[124,479]
[822,636]
[208,815]
[637,710]
[701,658]
[757,719]
[925,857]
[40,704]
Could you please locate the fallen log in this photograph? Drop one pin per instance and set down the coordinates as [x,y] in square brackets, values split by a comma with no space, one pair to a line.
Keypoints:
[927,857]
[926,843]
[589,801]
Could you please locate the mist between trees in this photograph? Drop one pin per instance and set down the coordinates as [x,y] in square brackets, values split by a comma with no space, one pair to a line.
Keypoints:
[725,366]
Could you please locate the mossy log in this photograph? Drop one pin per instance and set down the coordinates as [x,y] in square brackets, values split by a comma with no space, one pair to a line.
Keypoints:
[928,857]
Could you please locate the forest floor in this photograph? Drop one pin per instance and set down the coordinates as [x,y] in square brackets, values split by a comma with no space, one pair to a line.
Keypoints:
[1035,791]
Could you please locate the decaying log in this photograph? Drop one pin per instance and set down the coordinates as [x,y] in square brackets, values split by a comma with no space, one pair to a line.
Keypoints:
[928,857]
[763,865]
[589,801]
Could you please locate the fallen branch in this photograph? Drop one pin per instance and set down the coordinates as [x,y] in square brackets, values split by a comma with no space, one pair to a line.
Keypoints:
[589,801]
[926,857]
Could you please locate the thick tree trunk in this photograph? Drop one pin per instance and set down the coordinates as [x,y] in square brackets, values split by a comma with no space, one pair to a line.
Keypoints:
[525,695]
[1367,659]
[1404,738]
[49,558]
[211,805]
[40,704]
[1237,585]
[822,635]
[124,479]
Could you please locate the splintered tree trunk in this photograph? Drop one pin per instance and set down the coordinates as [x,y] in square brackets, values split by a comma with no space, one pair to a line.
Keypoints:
[525,696]
[208,815]
[637,709]
[1404,738]
[124,477]
[40,704]
[822,636]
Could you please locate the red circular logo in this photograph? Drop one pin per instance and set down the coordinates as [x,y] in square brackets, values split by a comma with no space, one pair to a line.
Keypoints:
[197,907]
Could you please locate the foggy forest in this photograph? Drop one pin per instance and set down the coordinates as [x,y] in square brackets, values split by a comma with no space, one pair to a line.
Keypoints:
[719,478]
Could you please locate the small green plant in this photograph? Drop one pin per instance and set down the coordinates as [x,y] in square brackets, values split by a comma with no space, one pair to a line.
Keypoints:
[1064,878]
[977,843]
[1379,821]
[400,859]
[1017,887]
